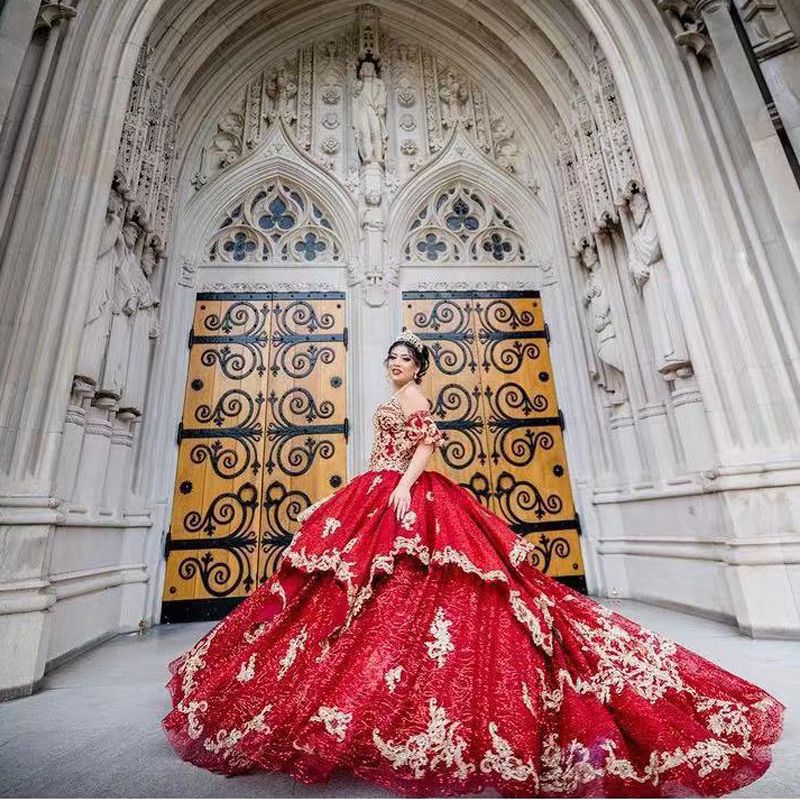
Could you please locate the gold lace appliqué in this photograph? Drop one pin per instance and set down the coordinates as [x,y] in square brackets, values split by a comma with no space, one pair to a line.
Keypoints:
[438,744]
[335,721]
[442,644]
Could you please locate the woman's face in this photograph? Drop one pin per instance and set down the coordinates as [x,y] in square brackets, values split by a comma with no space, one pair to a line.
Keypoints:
[401,364]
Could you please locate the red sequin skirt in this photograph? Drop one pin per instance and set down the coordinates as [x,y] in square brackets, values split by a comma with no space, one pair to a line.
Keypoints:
[428,656]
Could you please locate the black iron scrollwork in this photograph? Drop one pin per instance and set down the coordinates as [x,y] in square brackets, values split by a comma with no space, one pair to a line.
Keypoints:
[546,547]
[481,487]
[242,351]
[503,349]
[287,452]
[518,496]
[221,578]
[459,410]
[300,339]
[240,314]
[447,329]
[517,439]
[232,459]
[230,508]
[281,507]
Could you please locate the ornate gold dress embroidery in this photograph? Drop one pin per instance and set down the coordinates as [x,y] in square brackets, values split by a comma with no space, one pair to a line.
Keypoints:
[397,436]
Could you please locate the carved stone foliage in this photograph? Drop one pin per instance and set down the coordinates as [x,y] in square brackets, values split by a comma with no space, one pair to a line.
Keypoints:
[276,223]
[362,95]
[595,157]
[615,136]
[146,159]
[461,225]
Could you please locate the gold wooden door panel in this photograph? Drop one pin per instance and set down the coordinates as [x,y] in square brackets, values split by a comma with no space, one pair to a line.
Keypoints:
[307,429]
[259,365]
[494,395]
[453,384]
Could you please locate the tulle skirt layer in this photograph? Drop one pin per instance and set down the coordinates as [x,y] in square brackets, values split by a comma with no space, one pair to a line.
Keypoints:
[428,656]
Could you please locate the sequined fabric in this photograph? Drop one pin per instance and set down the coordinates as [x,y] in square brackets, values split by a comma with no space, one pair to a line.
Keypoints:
[397,436]
[428,656]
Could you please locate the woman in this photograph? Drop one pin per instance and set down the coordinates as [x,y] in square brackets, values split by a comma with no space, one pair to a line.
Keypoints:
[405,637]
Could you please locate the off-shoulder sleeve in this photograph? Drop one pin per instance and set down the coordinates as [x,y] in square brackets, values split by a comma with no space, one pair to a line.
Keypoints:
[420,427]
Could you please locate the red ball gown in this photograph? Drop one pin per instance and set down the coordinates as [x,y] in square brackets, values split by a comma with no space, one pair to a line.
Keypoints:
[430,657]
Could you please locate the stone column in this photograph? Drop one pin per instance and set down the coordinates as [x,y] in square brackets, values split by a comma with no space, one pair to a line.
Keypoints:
[374,308]
[775,46]
[50,17]
[16,26]
[119,457]
[28,512]
[83,391]
[609,364]
[755,117]
[92,470]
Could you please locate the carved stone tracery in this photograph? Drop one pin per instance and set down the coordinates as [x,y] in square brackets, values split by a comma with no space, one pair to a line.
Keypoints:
[276,223]
[460,225]
[341,119]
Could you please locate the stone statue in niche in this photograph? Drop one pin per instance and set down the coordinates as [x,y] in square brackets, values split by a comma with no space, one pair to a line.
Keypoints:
[369,114]
[146,327]
[649,273]
[506,150]
[282,90]
[125,302]
[454,96]
[98,319]
[607,344]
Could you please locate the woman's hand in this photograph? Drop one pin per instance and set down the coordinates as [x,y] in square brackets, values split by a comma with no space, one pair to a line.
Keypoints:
[400,500]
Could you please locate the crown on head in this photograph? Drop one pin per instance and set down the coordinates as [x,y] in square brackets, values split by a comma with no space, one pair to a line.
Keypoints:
[408,337]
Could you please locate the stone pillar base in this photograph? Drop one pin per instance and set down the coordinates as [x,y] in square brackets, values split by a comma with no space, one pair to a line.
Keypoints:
[23,642]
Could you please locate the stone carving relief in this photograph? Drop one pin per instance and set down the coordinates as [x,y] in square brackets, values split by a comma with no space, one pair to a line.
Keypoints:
[109,259]
[123,317]
[615,136]
[595,157]
[460,225]
[146,160]
[610,371]
[123,308]
[276,223]
[363,95]
[369,114]
[649,273]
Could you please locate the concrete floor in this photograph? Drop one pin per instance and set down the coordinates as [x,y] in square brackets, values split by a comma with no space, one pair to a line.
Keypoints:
[93,731]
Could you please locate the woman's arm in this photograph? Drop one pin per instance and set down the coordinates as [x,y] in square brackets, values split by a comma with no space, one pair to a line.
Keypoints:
[400,498]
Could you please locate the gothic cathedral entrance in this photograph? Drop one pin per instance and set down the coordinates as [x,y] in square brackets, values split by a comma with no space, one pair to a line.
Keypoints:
[356,184]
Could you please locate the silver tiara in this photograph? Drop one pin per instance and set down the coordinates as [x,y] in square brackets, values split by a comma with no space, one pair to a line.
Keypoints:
[409,338]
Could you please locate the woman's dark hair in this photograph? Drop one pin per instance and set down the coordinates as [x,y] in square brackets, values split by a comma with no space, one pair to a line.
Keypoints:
[422,357]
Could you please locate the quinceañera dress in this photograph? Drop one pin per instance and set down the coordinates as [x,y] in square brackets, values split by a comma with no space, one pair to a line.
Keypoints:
[430,657]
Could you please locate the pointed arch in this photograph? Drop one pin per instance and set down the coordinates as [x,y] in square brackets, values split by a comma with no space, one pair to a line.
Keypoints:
[235,213]
[462,208]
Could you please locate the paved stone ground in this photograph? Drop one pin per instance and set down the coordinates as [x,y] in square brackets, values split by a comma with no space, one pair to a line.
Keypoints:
[93,731]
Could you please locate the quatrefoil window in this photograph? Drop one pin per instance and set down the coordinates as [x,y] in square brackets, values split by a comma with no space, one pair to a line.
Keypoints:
[277,217]
[462,218]
[459,224]
[276,222]
[310,246]
[240,246]
[431,247]
[497,247]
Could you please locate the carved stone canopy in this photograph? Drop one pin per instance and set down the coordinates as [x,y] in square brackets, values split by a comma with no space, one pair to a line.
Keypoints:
[311,91]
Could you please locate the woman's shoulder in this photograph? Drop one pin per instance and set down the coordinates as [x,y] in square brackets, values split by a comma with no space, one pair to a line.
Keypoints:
[413,399]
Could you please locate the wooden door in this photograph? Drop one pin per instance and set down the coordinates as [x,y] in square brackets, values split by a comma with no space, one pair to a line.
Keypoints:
[263,433]
[491,382]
